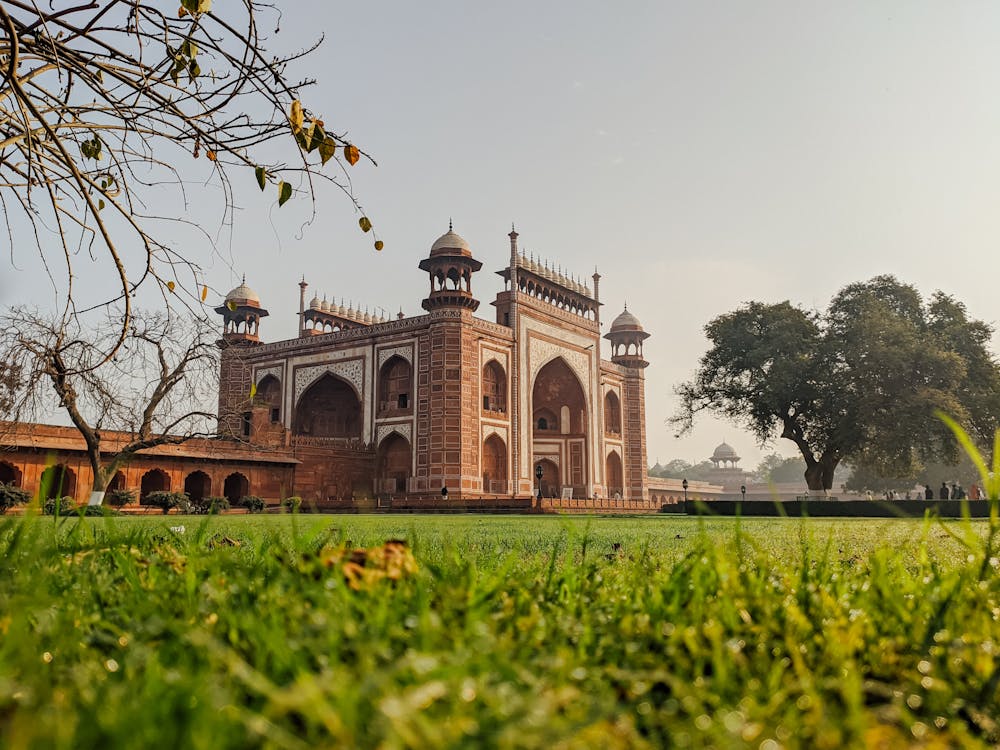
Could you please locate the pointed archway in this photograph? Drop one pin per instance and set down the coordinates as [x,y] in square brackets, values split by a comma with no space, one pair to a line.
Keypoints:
[560,422]
[494,465]
[9,474]
[154,480]
[328,409]
[198,486]
[235,488]
[614,475]
[58,481]
[393,463]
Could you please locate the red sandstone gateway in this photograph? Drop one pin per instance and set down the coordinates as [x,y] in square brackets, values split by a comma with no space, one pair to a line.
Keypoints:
[360,411]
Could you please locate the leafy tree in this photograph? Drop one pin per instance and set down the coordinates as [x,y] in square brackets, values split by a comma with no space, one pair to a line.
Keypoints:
[777,468]
[103,104]
[860,382]
[152,393]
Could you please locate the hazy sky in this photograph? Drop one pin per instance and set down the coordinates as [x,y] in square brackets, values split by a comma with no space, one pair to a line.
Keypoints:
[699,154]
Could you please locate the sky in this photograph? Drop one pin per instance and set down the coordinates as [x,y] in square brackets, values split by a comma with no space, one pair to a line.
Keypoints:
[700,155]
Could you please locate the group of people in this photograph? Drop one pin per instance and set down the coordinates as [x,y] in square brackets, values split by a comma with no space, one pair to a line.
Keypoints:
[954,492]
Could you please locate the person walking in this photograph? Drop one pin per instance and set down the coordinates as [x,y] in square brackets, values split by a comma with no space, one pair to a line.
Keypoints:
[943,492]
[974,492]
[928,492]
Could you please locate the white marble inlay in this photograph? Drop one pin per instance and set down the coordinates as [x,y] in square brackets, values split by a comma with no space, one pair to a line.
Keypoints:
[385,430]
[406,352]
[263,372]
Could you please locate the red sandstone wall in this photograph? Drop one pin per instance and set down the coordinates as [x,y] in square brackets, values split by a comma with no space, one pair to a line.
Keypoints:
[634,435]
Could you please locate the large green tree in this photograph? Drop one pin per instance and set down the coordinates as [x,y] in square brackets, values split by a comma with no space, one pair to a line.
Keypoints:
[860,381]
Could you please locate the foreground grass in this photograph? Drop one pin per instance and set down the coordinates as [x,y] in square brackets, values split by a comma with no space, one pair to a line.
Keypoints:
[514,632]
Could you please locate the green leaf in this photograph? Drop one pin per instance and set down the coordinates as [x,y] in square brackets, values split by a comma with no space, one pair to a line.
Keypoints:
[284,192]
[100,204]
[261,176]
[327,149]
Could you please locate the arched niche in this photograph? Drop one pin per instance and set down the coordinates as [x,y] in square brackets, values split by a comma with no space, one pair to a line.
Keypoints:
[614,475]
[395,386]
[494,387]
[494,465]
[329,408]
[58,481]
[236,487]
[154,480]
[269,394]
[198,486]
[393,463]
[557,386]
[612,414]
[10,474]
[550,483]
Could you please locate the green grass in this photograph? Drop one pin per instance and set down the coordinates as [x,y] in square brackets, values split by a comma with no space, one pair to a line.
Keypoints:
[514,632]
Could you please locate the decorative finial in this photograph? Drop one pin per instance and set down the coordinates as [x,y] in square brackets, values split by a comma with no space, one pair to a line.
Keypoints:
[512,227]
[244,279]
[626,305]
[449,223]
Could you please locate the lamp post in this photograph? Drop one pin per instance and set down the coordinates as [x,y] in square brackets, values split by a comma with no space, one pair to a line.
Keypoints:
[684,484]
[538,476]
[743,491]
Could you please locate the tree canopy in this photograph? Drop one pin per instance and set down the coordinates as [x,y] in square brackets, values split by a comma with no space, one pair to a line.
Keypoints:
[103,104]
[861,381]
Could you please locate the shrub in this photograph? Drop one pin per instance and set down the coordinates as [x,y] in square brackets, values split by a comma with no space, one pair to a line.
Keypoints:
[292,503]
[118,498]
[11,495]
[168,500]
[59,505]
[252,503]
[210,506]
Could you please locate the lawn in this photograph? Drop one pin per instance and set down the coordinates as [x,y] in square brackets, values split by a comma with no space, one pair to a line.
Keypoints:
[519,632]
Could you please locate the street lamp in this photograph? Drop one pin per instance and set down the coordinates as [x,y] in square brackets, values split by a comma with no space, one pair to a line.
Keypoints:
[743,491]
[538,476]
[684,484]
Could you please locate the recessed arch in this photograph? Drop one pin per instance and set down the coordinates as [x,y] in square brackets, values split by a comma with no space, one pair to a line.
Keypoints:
[395,385]
[330,408]
[549,483]
[58,481]
[394,459]
[614,475]
[494,465]
[154,480]
[612,414]
[198,486]
[269,394]
[494,387]
[236,487]
[10,474]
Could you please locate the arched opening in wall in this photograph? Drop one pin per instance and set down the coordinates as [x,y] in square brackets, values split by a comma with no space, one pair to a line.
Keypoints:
[117,482]
[494,387]
[395,380]
[329,409]
[612,414]
[198,486]
[236,487]
[154,480]
[393,463]
[494,465]
[269,395]
[615,477]
[557,390]
[549,482]
[58,481]
[9,474]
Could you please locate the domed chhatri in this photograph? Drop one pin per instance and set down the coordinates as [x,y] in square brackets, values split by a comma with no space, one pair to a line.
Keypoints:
[450,267]
[451,243]
[241,313]
[626,322]
[244,295]
[725,452]
[626,337]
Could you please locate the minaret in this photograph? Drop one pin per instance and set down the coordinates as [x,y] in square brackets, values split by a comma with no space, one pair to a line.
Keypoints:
[626,337]
[302,307]
[514,446]
[241,313]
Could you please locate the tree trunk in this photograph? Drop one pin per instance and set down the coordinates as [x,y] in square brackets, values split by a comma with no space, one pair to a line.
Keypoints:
[819,474]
